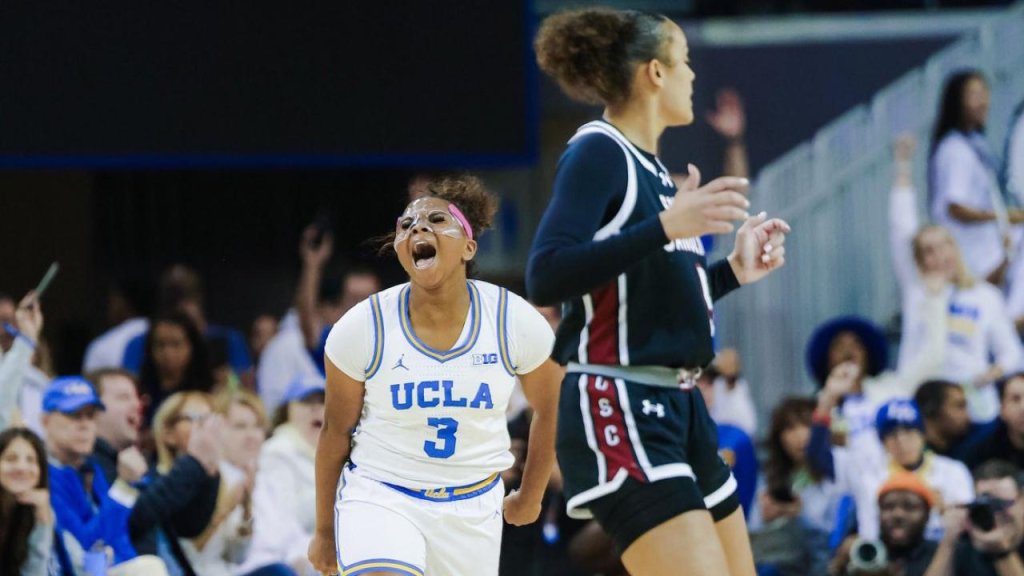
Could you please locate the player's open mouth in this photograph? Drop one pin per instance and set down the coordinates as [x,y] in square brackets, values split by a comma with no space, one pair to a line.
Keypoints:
[317,423]
[423,255]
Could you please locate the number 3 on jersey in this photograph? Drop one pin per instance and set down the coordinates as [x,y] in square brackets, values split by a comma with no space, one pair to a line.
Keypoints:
[445,446]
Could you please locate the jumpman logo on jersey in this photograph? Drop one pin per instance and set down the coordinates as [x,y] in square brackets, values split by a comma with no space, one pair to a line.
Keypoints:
[399,364]
[650,407]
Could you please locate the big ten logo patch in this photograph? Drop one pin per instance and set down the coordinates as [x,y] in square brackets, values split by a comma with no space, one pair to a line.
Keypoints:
[484,359]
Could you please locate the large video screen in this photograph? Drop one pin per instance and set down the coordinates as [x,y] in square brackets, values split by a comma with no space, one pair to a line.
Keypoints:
[343,83]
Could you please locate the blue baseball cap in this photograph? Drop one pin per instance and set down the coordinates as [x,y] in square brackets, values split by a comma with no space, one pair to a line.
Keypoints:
[302,387]
[898,414]
[69,394]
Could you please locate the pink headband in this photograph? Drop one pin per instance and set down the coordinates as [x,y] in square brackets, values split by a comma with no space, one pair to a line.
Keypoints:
[454,211]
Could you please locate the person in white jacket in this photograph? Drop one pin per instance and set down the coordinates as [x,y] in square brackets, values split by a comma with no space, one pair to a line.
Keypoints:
[934,280]
[224,546]
[20,388]
[284,506]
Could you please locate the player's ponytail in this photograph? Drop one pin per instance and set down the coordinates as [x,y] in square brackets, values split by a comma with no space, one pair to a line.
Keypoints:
[592,53]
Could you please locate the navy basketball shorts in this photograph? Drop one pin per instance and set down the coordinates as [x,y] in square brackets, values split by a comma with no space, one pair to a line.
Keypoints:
[634,456]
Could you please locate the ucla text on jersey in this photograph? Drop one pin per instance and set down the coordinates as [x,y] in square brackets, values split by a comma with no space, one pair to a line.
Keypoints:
[436,417]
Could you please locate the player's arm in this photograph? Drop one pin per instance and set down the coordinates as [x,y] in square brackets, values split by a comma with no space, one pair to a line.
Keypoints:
[567,260]
[541,388]
[343,406]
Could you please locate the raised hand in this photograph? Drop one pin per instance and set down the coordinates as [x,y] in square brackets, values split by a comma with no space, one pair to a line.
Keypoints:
[759,248]
[728,118]
[710,209]
[313,254]
[131,465]
[29,316]
[842,379]
[204,444]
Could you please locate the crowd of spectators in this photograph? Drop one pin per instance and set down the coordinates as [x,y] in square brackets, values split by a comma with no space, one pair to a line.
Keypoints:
[187,447]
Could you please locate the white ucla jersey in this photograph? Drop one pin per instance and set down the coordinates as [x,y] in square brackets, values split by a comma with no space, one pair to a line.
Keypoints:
[435,418]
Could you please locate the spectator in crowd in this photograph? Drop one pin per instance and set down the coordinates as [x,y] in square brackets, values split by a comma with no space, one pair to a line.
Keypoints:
[972,548]
[224,543]
[904,504]
[26,518]
[176,503]
[90,511]
[1014,162]
[176,360]
[733,403]
[284,496]
[729,120]
[962,176]
[847,355]
[129,303]
[1013,181]
[181,291]
[796,504]
[957,327]
[1006,440]
[359,284]
[287,355]
[262,330]
[20,382]
[948,429]
[901,431]
[734,445]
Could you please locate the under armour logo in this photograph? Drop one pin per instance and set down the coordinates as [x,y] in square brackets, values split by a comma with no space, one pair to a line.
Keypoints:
[399,364]
[650,407]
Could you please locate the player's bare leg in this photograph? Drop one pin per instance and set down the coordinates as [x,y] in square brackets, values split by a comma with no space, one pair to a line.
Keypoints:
[686,545]
[734,538]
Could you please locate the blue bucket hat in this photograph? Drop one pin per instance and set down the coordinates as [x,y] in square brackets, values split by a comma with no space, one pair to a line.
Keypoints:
[898,414]
[69,394]
[303,387]
[870,335]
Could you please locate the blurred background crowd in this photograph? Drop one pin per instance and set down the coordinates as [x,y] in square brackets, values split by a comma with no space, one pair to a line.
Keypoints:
[161,401]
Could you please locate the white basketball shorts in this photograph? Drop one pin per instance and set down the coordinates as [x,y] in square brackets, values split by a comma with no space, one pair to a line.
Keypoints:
[451,531]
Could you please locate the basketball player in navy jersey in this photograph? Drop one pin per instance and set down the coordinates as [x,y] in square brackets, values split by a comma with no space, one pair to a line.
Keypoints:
[425,370]
[620,248]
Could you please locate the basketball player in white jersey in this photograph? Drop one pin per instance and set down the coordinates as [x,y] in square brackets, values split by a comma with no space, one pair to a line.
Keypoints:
[418,378]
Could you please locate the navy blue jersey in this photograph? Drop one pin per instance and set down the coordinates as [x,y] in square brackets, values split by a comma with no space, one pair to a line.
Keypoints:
[630,296]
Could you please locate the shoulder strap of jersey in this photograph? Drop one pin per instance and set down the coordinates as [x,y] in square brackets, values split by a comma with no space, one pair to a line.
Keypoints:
[502,324]
[612,132]
[629,199]
[378,336]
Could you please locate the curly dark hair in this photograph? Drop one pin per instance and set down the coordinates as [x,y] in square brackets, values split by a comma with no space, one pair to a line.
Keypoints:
[592,52]
[474,200]
[467,192]
[17,520]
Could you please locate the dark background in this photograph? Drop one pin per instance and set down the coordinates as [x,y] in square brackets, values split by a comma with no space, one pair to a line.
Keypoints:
[126,83]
